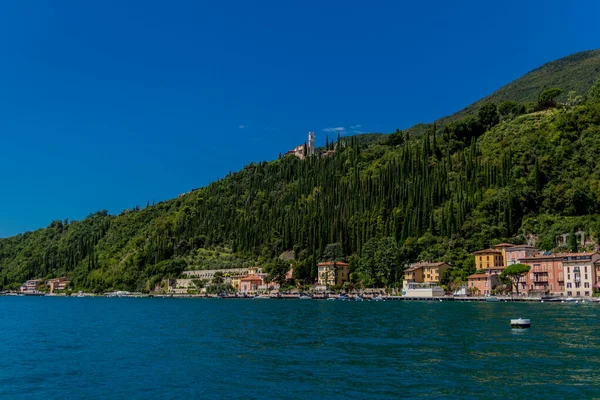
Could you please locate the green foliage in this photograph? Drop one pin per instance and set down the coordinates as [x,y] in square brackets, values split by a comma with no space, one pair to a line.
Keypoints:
[575,72]
[395,139]
[594,92]
[514,273]
[547,98]
[278,271]
[509,109]
[333,252]
[488,115]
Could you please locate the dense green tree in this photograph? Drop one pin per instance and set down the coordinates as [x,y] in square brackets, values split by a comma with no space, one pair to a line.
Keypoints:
[333,252]
[510,109]
[396,138]
[514,272]
[278,272]
[573,245]
[488,115]
[594,91]
[547,98]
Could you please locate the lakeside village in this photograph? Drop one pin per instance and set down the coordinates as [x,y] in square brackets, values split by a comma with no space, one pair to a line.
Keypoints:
[562,277]
[551,277]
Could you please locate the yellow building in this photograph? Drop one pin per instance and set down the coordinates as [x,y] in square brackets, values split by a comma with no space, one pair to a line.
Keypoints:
[489,259]
[425,272]
[333,273]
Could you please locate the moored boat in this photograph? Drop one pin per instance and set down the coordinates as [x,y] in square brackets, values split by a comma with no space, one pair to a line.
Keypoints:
[520,323]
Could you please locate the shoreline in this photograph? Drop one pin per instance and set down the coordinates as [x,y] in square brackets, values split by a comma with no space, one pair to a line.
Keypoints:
[352,298]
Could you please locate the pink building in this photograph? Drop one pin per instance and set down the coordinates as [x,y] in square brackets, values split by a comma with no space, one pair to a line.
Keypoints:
[545,276]
[482,284]
[513,254]
[250,283]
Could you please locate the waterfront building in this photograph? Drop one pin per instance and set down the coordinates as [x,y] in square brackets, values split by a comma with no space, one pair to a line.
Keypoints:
[57,284]
[251,284]
[580,273]
[490,260]
[30,286]
[332,273]
[512,253]
[546,276]
[425,272]
[181,286]
[482,284]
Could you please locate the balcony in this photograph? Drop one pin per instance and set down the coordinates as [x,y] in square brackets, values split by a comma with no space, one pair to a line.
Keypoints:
[540,278]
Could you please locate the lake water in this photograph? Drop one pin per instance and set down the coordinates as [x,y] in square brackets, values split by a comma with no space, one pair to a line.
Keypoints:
[295,349]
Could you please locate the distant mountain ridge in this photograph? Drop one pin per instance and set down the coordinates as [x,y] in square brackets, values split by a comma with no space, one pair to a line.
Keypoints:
[574,72]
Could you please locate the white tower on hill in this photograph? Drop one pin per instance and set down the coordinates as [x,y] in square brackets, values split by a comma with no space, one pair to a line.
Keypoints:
[311,144]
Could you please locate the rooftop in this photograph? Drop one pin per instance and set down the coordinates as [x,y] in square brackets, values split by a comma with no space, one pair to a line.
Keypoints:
[336,263]
[488,251]
[414,267]
[479,276]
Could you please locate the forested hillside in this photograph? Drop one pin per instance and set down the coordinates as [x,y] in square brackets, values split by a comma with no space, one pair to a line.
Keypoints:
[574,73]
[507,174]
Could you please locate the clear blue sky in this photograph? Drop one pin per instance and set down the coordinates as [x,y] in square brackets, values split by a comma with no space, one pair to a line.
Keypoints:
[108,106]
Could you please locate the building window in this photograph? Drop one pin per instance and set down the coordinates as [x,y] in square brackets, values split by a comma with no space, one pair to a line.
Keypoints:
[568,270]
[578,293]
[585,269]
[486,282]
[587,293]
[569,293]
[587,284]
[569,285]
[577,284]
[585,276]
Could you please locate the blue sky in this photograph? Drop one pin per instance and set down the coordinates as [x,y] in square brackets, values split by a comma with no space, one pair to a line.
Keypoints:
[107,106]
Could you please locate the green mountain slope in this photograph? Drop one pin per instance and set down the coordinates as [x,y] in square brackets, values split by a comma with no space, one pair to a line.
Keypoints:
[576,72]
[385,202]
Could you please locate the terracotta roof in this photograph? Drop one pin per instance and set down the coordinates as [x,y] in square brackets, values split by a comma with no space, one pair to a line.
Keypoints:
[504,245]
[479,276]
[337,263]
[414,267]
[487,251]
[539,257]
[251,278]
[565,255]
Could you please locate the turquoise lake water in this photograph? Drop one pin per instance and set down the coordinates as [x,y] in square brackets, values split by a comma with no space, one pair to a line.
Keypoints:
[295,349]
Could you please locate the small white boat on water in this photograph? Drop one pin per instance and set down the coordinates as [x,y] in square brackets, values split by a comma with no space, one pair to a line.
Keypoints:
[520,323]
[262,296]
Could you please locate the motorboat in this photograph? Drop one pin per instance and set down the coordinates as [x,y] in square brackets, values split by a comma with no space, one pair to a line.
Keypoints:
[520,323]
[492,299]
